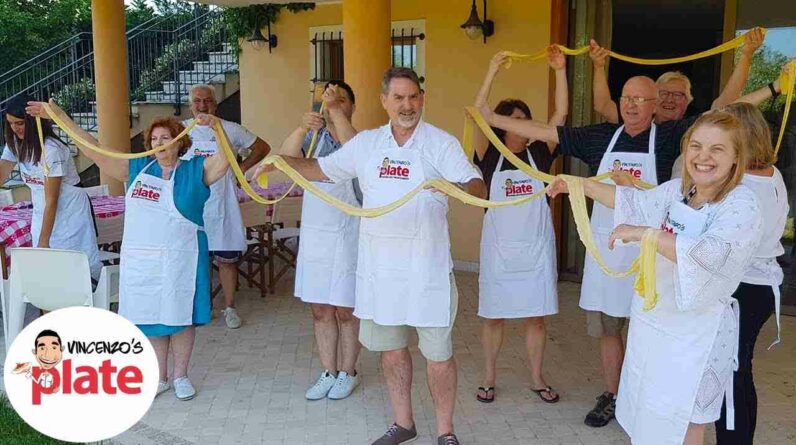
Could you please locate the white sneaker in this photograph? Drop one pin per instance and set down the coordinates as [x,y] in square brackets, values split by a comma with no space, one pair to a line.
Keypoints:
[343,386]
[183,389]
[321,388]
[163,386]
[231,317]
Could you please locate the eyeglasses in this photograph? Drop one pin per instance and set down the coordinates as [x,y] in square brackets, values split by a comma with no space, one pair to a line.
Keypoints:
[636,100]
[675,95]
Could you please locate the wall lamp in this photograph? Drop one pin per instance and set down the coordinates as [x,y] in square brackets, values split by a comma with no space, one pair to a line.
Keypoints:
[258,40]
[475,28]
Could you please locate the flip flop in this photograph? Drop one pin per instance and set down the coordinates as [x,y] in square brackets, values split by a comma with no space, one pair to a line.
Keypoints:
[486,391]
[547,390]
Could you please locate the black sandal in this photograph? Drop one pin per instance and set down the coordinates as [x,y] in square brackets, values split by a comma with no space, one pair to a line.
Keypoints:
[547,390]
[486,391]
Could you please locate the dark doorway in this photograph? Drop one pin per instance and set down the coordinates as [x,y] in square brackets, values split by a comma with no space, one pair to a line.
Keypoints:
[657,29]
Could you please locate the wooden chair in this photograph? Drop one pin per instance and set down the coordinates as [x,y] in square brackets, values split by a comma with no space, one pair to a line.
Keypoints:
[286,213]
[109,238]
[253,263]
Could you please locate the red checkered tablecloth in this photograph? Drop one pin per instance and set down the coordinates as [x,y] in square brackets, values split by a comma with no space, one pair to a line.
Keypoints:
[15,219]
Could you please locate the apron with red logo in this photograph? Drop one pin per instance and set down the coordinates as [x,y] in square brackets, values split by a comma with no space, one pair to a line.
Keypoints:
[158,267]
[223,221]
[404,263]
[598,291]
[518,260]
[74,224]
[668,350]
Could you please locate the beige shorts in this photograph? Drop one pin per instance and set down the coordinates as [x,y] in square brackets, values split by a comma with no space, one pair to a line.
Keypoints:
[436,344]
[600,324]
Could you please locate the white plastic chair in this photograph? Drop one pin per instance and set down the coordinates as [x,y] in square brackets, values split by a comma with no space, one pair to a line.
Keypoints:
[49,279]
[108,287]
[99,190]
[6,197]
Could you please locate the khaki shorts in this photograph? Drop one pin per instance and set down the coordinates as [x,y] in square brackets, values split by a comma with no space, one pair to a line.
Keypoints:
[600,324]
[436,344]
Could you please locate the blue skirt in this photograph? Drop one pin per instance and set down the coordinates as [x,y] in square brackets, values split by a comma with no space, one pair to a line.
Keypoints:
[201,298]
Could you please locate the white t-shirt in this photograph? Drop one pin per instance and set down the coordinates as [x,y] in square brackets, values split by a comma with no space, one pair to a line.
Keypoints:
[442,155]
[772,197]
[58,158]
[239,137]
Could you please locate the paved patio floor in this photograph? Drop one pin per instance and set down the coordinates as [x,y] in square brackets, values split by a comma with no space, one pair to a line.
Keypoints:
[251,385]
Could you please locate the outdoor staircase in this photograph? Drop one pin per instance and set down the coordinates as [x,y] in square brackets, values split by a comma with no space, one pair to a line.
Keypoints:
[166,56]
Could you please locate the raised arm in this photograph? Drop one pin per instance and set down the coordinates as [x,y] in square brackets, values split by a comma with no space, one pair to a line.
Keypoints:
[480,142]
[343,128]
[603,103]
[533,130]
[113,167]
[558,62]
[258,150]
[605,194]
[308,168]
[759,96]
[732,90]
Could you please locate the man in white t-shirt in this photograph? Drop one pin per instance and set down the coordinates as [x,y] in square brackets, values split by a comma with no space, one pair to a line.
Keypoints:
[404,279]
[222,218]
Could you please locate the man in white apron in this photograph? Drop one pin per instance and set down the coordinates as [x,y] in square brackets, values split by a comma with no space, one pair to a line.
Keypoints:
[327,256]
[404,278]
[222,217]
[639,148]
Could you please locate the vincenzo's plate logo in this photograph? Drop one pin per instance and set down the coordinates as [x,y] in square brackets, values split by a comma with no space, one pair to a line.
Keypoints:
[522,187]
[146,191]
[81,374]
[395,169]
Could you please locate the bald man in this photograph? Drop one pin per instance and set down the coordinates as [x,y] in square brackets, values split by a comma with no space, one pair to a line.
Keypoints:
[642,149]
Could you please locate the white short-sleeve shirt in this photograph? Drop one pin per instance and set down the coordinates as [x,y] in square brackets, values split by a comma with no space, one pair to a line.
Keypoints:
[239,137]
[58,158]
[442,154]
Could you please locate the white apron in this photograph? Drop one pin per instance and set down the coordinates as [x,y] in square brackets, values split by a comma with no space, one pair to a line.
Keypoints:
[598,291]
[518,260]
[74,223]
[327,256]
[404,263]
[223,221]
[158,267]
[667,353]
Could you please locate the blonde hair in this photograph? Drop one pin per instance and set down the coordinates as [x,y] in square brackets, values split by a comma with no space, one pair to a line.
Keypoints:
[758,135]
[676,75]
[728,123]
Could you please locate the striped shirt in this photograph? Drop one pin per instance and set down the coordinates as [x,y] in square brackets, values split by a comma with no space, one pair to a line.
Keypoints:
[590,143]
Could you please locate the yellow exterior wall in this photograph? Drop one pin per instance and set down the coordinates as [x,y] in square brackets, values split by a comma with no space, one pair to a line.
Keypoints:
[275,87]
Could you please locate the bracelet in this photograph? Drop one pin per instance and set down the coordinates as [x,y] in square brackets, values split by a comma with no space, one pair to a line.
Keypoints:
[774,92]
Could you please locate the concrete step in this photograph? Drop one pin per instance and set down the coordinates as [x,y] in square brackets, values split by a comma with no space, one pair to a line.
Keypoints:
[221,57]
[170,87]
[214,67]
[161,97]
[194,77]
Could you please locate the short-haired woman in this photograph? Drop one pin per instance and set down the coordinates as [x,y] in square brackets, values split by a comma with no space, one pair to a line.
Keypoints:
[165,266]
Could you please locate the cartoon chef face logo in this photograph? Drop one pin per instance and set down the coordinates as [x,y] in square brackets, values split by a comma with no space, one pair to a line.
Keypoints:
[617,165]
[385,163]
[508,183]
[92,374]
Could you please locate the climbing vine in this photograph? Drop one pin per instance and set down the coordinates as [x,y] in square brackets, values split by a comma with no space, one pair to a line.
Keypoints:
[240,22]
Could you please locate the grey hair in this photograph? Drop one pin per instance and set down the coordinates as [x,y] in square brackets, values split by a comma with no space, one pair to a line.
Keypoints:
[206,87]
[399,73]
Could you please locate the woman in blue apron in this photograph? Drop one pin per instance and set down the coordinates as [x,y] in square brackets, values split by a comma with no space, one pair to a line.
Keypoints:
[681,354]
[518,274]
[62,217]
[164,283]
[758,294]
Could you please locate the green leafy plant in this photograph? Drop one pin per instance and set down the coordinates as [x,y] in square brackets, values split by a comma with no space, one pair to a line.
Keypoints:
[75,97]
[240,22]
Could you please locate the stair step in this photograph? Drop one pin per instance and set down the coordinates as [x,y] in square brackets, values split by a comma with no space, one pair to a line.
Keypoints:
[160,97]
[213,67]
[194,77]
[221,57]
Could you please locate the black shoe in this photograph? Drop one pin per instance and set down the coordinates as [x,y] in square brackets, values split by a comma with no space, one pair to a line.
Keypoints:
[603,411]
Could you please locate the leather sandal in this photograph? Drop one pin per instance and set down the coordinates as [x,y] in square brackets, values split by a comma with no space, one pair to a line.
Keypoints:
[486,398]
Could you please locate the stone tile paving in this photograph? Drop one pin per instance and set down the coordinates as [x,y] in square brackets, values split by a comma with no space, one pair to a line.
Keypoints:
[251,383]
